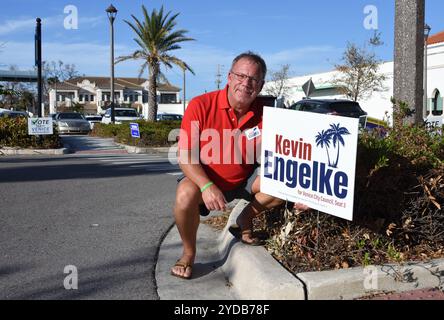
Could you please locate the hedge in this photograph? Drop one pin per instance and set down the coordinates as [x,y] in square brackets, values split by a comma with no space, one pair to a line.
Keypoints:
[14,133]
[152,134]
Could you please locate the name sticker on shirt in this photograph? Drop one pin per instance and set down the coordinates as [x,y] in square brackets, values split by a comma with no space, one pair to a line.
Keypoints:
[253,133]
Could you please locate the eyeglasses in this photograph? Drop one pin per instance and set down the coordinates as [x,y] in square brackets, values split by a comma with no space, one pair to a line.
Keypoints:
[241,77]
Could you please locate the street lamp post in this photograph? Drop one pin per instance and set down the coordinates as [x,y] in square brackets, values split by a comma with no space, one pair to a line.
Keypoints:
[426,37]
[112,12]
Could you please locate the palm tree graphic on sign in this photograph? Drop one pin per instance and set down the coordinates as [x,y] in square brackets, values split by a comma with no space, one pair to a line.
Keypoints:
[333,134]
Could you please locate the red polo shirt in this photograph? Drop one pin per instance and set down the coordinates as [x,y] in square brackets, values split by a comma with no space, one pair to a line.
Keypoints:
[210,128]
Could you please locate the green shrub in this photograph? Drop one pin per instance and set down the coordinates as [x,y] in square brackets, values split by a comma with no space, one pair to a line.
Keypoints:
[14,133]
[152,134]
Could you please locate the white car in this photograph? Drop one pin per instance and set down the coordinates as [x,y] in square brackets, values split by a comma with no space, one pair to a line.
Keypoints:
[72,122]
[93,119]
[121,115]
[168,116]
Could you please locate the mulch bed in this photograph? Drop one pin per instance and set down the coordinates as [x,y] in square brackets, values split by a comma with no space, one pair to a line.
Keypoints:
[389,226]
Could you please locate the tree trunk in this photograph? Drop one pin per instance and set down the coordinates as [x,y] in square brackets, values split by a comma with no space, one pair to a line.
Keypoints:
[152,89]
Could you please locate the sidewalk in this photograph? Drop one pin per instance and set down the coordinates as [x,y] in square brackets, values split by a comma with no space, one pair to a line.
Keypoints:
[228,269]
[12,151]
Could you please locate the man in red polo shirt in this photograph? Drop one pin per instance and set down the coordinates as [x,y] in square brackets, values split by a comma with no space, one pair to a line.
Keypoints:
[219,138]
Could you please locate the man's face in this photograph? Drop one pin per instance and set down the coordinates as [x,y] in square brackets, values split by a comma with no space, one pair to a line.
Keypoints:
[244,83]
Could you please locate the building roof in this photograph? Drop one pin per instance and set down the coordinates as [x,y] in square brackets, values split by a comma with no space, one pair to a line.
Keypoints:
[65,86]
[119,84]
[436,38]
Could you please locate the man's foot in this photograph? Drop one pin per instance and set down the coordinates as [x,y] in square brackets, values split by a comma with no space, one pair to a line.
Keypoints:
[245,236]
[183,268]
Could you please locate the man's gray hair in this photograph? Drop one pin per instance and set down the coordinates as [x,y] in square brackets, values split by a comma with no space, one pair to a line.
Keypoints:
[254,57]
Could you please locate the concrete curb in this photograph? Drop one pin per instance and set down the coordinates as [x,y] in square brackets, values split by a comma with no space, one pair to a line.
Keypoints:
[134,149]
[18,151]
[359,282]
[252,271]
[256,275]
[208,282]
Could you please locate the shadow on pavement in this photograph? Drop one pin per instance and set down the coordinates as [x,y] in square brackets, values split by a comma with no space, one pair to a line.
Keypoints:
[80,171]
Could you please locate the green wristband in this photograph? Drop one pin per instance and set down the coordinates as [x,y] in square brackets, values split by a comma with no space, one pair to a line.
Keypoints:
[205,187]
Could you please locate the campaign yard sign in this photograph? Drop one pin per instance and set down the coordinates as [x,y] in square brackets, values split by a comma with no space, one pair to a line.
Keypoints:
[40,126]
[135,132]
[310,158]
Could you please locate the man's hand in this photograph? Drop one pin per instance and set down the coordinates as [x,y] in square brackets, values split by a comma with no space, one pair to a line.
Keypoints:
[214,198]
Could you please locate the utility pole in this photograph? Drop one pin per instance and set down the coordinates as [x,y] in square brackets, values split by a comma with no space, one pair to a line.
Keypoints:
[38,63]
[218,76]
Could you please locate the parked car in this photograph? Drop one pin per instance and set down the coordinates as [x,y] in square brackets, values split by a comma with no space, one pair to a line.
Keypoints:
[13,114]
[72,122]
[340,107]
[168,116]
[121,115]
[93,119]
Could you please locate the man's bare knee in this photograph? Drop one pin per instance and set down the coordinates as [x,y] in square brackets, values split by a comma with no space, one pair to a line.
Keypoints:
[187,196]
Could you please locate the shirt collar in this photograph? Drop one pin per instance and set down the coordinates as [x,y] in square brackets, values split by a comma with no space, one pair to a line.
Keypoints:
[223,99]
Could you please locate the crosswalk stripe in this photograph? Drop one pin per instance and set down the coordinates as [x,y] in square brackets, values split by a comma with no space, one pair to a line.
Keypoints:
[126,157]
[174,173]
[147,161]
[136,162]
[133,160]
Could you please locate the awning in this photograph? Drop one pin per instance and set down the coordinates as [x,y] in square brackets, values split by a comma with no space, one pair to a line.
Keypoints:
[18,76]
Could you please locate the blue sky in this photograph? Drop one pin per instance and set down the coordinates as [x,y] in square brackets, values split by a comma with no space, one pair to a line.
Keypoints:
[308,35]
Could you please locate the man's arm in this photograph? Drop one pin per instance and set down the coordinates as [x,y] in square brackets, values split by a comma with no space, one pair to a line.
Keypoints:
[211,196]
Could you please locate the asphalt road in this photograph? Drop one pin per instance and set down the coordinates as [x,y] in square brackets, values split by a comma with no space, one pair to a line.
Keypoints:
[96,216]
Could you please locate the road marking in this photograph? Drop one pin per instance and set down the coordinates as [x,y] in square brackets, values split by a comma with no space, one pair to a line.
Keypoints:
[106,151]
[174,173]
[148,161]
[137,161]
[129,160]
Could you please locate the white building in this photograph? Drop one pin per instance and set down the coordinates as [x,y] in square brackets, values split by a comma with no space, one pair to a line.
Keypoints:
[94,94]
[379,102]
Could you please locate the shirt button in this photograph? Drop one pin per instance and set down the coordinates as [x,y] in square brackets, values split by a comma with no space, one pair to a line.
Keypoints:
[232,119]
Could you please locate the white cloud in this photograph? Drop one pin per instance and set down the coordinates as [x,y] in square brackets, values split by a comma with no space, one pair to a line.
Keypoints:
[86,56]
[15,25]
[305,60]
[91,21]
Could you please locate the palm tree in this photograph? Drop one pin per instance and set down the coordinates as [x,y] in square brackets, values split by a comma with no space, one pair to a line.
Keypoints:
[336,132]
[323,138]
[156,38]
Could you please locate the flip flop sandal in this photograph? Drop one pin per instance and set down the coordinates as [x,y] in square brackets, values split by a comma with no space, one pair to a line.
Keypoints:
[236,231]
[183,265]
